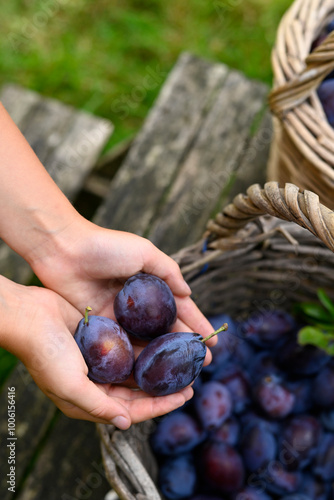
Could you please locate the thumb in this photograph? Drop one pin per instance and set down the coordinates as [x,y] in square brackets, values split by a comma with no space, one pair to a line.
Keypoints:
[89,402]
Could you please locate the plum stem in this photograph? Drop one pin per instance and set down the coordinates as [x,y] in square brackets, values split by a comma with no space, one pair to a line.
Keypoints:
[86,314]
[221,329]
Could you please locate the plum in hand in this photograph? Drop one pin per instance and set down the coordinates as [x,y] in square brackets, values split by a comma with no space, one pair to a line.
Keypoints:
[171,362]
[145,307]
[106,349]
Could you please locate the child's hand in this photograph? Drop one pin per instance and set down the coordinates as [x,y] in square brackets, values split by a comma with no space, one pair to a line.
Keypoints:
[38,330]
[95,262]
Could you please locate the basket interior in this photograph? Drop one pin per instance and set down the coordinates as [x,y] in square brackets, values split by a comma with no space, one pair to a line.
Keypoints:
[273,272]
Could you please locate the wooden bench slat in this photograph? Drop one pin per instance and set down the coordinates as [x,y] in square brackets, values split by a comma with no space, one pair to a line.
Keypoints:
[70,163]
[159,148]
[210,165]
[69,466]
[45,125]
[33,415]
[13,266]
[18,102]
[252,167]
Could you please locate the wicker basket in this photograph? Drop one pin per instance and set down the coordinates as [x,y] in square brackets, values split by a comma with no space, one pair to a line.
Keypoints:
[268,248]
[302,150]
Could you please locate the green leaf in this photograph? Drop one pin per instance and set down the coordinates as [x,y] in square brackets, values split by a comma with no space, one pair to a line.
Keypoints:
[326,301]
[319,338]
[313,336]
[315,312]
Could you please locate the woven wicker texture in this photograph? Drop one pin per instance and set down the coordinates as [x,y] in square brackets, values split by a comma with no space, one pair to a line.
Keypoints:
[273,245]
[268,248]
[302,149]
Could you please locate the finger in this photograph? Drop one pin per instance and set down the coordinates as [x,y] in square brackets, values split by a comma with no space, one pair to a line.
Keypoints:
[158,263]
[135,254]
[139,406]
[191,317]
[145,408]
[76,413]
[120,403]
[89,402]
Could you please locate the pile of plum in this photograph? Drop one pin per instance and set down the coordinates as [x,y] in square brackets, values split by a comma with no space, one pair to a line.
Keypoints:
[261,423]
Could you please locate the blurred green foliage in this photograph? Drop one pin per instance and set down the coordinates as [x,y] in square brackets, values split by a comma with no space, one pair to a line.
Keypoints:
[7,363]
[318,318]
[97,54]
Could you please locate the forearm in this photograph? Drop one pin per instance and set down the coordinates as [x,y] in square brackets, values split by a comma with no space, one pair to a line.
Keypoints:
[33,210]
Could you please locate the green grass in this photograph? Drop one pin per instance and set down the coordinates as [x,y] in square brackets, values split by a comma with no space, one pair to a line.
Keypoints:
[97,54]
[100,55]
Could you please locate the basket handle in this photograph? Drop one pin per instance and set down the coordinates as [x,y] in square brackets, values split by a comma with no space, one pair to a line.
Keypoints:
[318,65]
[288,203]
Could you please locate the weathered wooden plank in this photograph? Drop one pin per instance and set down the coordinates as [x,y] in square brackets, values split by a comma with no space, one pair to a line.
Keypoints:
[13,266]
[71,161]
[33,415]
[179,166]
[67,141]
[70,461]
[252,167]
[210,165]
[45,125]
[70,465]
[18,102]
[110,162]
[167,135]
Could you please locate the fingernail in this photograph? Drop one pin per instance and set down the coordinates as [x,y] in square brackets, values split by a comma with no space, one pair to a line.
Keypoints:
[121,422]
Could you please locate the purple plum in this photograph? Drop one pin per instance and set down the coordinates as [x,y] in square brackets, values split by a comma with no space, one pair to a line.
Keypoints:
[145,307]
[106,349]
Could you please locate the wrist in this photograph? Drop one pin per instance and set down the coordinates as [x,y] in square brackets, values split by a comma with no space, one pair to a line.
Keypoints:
[52,235]
[58,256]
